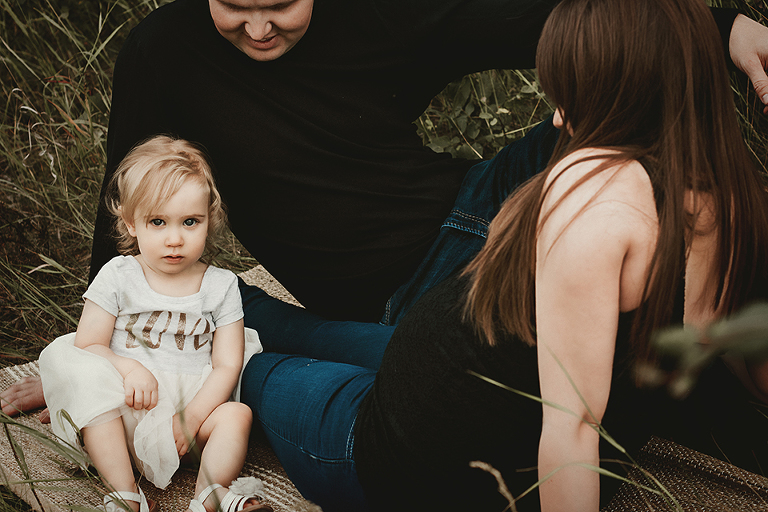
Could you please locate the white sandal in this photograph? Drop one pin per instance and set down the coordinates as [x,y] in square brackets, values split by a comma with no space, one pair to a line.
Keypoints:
[238,494]
[115,501]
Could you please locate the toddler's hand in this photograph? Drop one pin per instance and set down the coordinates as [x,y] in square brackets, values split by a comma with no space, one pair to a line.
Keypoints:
[184,432]
[140,389]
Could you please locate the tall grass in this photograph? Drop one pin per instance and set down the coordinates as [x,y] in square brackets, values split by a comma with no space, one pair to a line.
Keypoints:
[56,59]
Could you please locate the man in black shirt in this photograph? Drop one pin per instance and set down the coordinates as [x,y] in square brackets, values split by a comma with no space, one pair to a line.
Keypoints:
[306,108]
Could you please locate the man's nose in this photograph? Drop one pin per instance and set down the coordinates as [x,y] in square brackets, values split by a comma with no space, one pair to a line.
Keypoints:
[258,27]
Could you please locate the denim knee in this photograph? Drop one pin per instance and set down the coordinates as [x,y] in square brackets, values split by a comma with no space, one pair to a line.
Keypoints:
[485,187]
[307,409]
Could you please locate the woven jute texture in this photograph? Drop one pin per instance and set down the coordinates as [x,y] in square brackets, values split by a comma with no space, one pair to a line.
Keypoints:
[258,276]
[44,479]
[697,482]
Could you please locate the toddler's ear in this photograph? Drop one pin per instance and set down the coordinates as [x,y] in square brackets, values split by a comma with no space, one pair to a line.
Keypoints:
[128,222]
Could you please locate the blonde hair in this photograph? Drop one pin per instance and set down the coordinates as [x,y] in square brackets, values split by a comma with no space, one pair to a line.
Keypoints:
[149,175]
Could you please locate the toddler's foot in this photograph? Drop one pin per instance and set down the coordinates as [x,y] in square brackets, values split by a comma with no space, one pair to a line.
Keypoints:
[137,501]
[243,495]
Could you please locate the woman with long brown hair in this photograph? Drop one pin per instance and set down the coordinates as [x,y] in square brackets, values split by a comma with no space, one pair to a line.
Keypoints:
[650,214]
[654,191]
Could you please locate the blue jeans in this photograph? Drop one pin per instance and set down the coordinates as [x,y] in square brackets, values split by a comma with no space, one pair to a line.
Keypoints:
[307,395]
[463,233]
[307,410]
[289,329]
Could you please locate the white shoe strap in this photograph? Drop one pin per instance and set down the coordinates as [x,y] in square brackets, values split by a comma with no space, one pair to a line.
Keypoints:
[207,492]
[123,496]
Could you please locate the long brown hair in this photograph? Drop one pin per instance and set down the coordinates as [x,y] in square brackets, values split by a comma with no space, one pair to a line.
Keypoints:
[647,79]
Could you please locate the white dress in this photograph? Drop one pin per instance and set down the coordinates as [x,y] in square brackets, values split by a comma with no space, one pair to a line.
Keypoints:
[170,336]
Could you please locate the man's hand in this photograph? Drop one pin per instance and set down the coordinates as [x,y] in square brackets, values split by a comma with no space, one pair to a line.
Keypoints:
[140,389]
[23,396]
[748,46]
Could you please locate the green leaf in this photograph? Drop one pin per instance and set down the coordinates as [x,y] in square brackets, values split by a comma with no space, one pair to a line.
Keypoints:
[461,122]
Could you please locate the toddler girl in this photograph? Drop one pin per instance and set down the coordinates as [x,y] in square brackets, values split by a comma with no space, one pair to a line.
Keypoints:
[159,347]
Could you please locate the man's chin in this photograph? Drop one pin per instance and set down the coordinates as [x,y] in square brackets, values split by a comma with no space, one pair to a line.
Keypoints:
[264,55]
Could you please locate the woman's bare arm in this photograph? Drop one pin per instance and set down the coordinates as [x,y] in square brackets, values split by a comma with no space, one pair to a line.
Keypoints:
[592,258]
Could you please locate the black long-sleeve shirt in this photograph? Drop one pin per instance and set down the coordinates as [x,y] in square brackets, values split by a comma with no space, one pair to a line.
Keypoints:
[326,182]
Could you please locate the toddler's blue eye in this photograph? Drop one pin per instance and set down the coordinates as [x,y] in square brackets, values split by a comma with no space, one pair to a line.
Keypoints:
[156,222]
[190,222]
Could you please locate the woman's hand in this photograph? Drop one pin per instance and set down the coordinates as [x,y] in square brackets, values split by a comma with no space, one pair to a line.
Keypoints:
[140,388]
[24,395]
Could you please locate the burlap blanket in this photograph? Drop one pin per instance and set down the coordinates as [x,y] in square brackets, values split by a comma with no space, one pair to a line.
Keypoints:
[32,465]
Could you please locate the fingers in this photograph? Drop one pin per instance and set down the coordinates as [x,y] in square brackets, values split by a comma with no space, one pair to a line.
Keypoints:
[129,395]
[149,400]
[181,446]
[152,400]
[11,405]
[754,70]
[748,45]
[139,399]
[184,444]
[24,395]
[45,416]
[140,389]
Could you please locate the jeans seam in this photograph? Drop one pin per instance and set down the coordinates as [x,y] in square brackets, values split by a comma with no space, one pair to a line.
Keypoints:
[461,227]
[345,460]
[388,311]
[469,216]
[456,224]
[351,439]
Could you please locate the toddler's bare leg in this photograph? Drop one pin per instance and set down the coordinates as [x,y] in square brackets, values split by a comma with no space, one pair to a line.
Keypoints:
[105,444]
[224,435]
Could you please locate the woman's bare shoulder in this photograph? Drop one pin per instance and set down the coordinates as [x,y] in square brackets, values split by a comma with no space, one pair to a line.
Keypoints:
[579,164]
[609,217]
[574,185]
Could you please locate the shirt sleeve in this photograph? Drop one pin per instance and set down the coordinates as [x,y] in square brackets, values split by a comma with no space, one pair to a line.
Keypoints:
[104,289]
[724,20]
[429,16]
[482,34]
[230,308]
[489,34]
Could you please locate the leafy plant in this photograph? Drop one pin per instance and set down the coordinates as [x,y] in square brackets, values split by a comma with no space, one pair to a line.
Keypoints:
[690,350]
[481,113]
